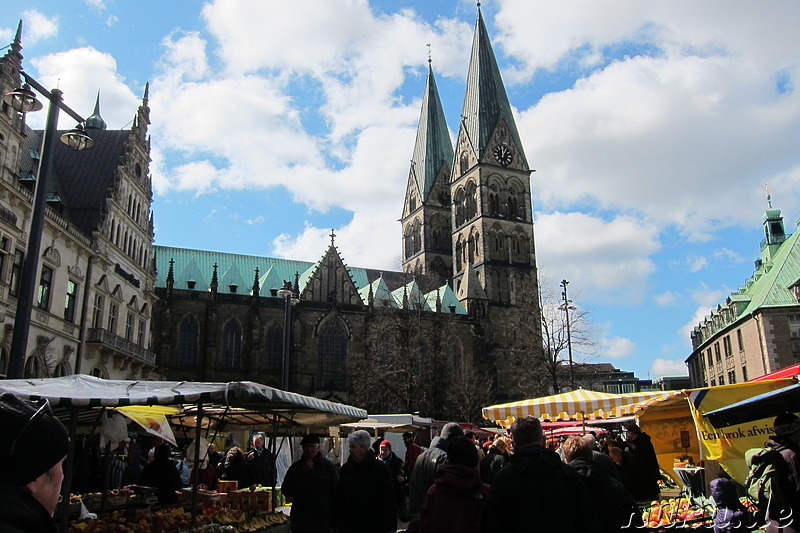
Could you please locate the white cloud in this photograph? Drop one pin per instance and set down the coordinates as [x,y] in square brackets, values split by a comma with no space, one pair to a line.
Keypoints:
[609,259]
[255,221]
[706,299]
[70,71]
[96,4]
[110,21]
[696,263]
[665,298]
[661,367]
[616,347]
[37,27]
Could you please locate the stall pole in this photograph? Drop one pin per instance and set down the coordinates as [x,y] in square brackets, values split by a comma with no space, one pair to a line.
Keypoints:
[69,466]
[196,467]
[106,475]
[275,449]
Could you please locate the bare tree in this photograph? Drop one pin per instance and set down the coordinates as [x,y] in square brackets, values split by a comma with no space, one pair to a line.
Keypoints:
[547,372]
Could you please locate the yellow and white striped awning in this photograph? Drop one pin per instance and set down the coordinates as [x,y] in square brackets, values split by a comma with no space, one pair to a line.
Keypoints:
[576,405]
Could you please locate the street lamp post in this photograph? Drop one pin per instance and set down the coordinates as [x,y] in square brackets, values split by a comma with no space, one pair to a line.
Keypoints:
[566,306]
[290,299]
[24,100]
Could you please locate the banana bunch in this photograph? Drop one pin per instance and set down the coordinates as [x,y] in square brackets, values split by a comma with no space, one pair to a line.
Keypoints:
[276,518]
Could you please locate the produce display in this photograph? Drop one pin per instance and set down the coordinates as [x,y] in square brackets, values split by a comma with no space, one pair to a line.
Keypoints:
[212,519]
[241,521]
[138,521]
[675,511]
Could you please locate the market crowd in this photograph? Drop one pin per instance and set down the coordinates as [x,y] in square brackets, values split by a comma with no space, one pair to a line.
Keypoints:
[511,484]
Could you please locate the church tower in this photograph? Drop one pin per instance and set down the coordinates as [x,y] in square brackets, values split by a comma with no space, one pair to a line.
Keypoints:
[492,220]
[426,212]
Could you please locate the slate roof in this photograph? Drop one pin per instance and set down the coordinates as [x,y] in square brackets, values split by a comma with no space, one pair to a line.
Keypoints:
[80,179]
[433,147]
[485,100]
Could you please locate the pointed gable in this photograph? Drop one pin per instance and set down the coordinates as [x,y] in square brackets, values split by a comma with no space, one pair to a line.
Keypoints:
[471,287]
[232,277]
[433,148]
[447,300]
[411,296]
[330,281]
[191,273]
[486,103]
[270,280]
[381,295]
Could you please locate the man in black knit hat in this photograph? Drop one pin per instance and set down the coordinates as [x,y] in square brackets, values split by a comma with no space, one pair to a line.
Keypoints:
[33,449]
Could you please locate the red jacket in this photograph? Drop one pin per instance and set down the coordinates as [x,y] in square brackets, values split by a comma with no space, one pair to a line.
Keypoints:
[455,502]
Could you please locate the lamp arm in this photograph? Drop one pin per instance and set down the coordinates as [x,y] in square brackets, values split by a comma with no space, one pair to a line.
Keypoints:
[30,80]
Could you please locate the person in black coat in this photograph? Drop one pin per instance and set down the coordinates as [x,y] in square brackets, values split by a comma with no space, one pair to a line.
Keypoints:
[611,502]
[162,474]
[365,497]
[494,460]
[311,483]
[537,491]
[34,446]
[262,463]
[395,464]
[236,468]
[643,456]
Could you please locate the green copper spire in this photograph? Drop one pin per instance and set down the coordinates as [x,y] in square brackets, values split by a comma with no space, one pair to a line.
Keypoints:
[485,100]
[433,147]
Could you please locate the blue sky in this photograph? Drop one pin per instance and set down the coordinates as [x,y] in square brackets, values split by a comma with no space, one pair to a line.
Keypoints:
[653,128]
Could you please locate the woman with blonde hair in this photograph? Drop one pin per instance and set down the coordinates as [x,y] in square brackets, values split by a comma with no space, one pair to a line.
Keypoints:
[496,458]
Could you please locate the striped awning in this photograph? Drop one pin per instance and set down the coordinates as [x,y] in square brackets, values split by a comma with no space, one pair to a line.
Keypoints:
[576,405]
[267,402]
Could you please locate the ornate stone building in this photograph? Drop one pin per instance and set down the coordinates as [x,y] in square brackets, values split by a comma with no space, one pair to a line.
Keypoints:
[438,337]
[95,278]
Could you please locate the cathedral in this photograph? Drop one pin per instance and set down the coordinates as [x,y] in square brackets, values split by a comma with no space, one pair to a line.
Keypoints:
[456,330]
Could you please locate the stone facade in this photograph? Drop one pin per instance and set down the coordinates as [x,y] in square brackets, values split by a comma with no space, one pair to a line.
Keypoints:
[96,284]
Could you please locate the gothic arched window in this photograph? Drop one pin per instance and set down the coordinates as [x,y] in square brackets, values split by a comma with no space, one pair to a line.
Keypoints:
[463,163]
[186,353]
[62,369]
[231,344]
[273,347]
[416,236]
[454,357]
[471,201]
[33,367]
[331,354]
[408,241]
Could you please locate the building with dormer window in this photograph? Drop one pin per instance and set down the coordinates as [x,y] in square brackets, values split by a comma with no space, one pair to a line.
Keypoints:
[94,307]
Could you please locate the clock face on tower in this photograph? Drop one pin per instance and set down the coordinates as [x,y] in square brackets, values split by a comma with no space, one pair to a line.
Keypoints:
[502,154]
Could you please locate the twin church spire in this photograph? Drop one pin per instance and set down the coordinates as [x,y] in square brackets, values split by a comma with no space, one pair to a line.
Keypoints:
[467,214]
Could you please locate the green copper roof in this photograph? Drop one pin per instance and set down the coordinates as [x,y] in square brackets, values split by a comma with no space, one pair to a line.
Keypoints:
[486,101]
[197,266]
[433,147]
[772,279]
[447,298]
[235,269]
[381,295]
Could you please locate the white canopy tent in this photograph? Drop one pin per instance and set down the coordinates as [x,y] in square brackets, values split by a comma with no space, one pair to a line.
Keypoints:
[235,403]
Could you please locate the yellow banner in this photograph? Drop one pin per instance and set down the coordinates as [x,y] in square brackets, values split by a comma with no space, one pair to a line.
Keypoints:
[727,445]
[153,419]
[670,426]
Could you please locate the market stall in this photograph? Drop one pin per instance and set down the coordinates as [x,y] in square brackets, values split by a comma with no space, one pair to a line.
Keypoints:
[84,398]
[580,404]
